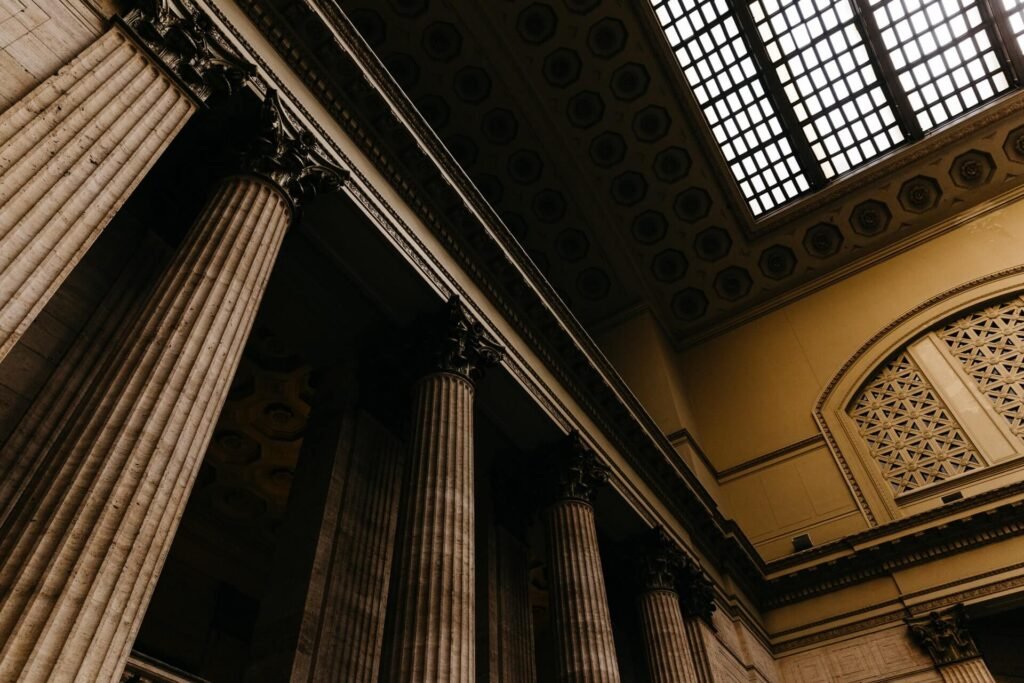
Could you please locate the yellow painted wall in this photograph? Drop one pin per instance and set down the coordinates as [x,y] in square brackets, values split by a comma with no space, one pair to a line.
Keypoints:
[752,389]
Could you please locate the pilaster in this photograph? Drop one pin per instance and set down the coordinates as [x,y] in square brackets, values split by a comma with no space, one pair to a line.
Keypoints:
[325,620]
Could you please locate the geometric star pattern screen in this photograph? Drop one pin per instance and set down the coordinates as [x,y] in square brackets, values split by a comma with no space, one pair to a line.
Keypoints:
[909,430]
[799,92]
[990,345]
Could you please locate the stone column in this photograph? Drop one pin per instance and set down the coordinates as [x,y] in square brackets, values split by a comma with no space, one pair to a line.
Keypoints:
[579,602]
[512,649]
[946,638]
[697,599]
[73,149]
[664,634]
[435,600]
[325,621]
[20,456]
[81,553]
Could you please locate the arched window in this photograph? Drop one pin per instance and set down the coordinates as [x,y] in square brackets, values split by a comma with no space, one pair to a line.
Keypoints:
[949,403]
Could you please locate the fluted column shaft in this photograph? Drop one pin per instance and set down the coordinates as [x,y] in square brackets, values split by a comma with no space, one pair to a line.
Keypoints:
[664,634]
[71,151]
[346,492]
[80,557]
[583,628]
[512,653]
[435,593]
[969,671]
[21,457]
[358,595]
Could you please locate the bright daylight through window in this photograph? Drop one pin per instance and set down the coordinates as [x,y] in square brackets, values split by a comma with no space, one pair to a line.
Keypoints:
[798,92]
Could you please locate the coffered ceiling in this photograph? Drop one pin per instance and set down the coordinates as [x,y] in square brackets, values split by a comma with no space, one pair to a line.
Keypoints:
[574,122]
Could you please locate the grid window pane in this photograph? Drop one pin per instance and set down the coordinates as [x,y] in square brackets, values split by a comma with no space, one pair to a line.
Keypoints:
[943,55]
[827,74]
[1015,18]
[719,68]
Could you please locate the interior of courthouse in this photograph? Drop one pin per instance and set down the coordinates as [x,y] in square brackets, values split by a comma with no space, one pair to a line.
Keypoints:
[512,341]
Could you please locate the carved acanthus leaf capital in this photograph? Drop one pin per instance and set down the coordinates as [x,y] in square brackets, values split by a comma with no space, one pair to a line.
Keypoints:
[660,563]
[697,594]
[186,41]
[944,636]
[577,473]
[460,345]
[288,154]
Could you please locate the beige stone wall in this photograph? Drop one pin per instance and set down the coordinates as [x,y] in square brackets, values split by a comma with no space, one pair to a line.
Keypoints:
[640,352]
[735,655]
[37,37]
[885,655]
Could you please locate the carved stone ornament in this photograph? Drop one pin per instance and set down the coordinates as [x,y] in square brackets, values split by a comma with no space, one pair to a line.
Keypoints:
[944,636]
[660,563]
[185,40]
[697,595]
[288,154]
[577,472]
[460,344]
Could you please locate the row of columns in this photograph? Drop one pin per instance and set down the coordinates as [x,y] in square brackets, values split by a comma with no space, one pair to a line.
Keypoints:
[96,479]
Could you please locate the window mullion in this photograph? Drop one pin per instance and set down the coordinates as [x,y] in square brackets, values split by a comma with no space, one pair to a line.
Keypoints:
[1004,41]
[975,413]
[801,147]
[890,81]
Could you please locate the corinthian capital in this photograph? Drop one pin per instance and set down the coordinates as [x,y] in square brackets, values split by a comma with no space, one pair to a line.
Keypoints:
[660,562]
[697,595]
[185,40]
[944,636]
[459,344]
[288,154]
[577,473]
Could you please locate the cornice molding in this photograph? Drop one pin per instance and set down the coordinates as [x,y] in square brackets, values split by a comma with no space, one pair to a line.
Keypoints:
[425,176]
[431,178]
